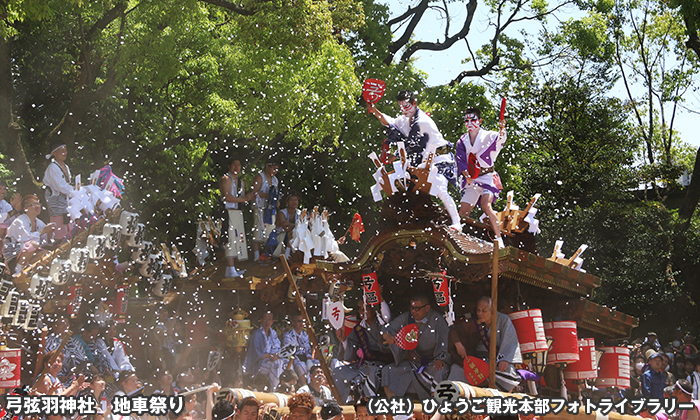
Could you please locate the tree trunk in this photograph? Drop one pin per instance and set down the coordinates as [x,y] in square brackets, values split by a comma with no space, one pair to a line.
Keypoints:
[10,139]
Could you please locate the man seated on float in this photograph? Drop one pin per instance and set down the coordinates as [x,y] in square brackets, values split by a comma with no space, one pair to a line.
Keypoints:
[476,155]
[233,195]
[316,388]
[286,222]
[262,359]
[507,347]
[365,354]
[421,137]
[26,234]
[416,371]
[304,356]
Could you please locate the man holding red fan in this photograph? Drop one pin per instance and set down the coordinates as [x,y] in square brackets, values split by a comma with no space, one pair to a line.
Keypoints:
[421,137]
[476,155]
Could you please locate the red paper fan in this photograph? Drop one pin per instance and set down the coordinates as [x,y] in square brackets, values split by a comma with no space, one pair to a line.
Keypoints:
[476,370]
[373,90]
[407,337]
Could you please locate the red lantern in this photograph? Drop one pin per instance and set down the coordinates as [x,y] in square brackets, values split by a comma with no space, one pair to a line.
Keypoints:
[76,296]
[10,368]
[587,366]
[441,288]
[122,301]
[370,285]
[565,346]
[530,329]
[614,367]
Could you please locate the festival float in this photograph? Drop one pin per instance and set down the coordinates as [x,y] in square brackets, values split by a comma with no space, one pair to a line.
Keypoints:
[415,249]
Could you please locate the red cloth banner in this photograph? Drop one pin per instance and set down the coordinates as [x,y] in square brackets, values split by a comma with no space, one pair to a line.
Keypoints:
[10,368]
[370,285]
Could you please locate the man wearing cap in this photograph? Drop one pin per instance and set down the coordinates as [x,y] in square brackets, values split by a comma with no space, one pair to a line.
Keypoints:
[57,179]
[331,411]
[266,191]
[653,380]
[476,155]
[421,137]
[417,371]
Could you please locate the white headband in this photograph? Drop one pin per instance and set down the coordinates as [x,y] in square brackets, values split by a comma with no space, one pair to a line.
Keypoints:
[677,385]
[51,154]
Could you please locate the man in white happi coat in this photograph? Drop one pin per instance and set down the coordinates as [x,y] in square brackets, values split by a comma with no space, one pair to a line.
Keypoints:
[476,155]
[417,371]
[233,195]
[421,137]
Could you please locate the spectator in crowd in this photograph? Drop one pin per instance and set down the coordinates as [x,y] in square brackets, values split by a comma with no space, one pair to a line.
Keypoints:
[652,340]
[266,191]
[247,409]
[301,406]
[331,411]
[694,373]
[26,234]
[688,346]
[116,348]
[303,358]
[233,194]
[288,382]
[164,335]
[188,412]
[59,329]
[8,211]
[79,356]
[50,384]
[316,387]
[57,179]
[636,371]
[262,360]
[653,380]
[129,384]
[678,368]
[286,222]
[361,411]
[164,382]
[97,388]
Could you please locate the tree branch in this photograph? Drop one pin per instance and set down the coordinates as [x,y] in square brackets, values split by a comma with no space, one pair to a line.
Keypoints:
[417,13]
[692,196]
[449,41]
[105,20]
[230,6]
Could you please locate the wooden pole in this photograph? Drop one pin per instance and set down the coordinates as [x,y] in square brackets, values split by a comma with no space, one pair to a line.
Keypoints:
[494,318]
[310,330]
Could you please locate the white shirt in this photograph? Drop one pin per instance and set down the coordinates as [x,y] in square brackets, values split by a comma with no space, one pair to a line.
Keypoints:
[55,178]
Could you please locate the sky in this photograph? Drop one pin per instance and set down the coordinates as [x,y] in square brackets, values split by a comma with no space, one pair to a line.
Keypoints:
[443,66]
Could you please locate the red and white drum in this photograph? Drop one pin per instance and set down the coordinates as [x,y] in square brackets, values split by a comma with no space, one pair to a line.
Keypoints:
[614,367]
[565,346]
[530,329]
[587,366]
